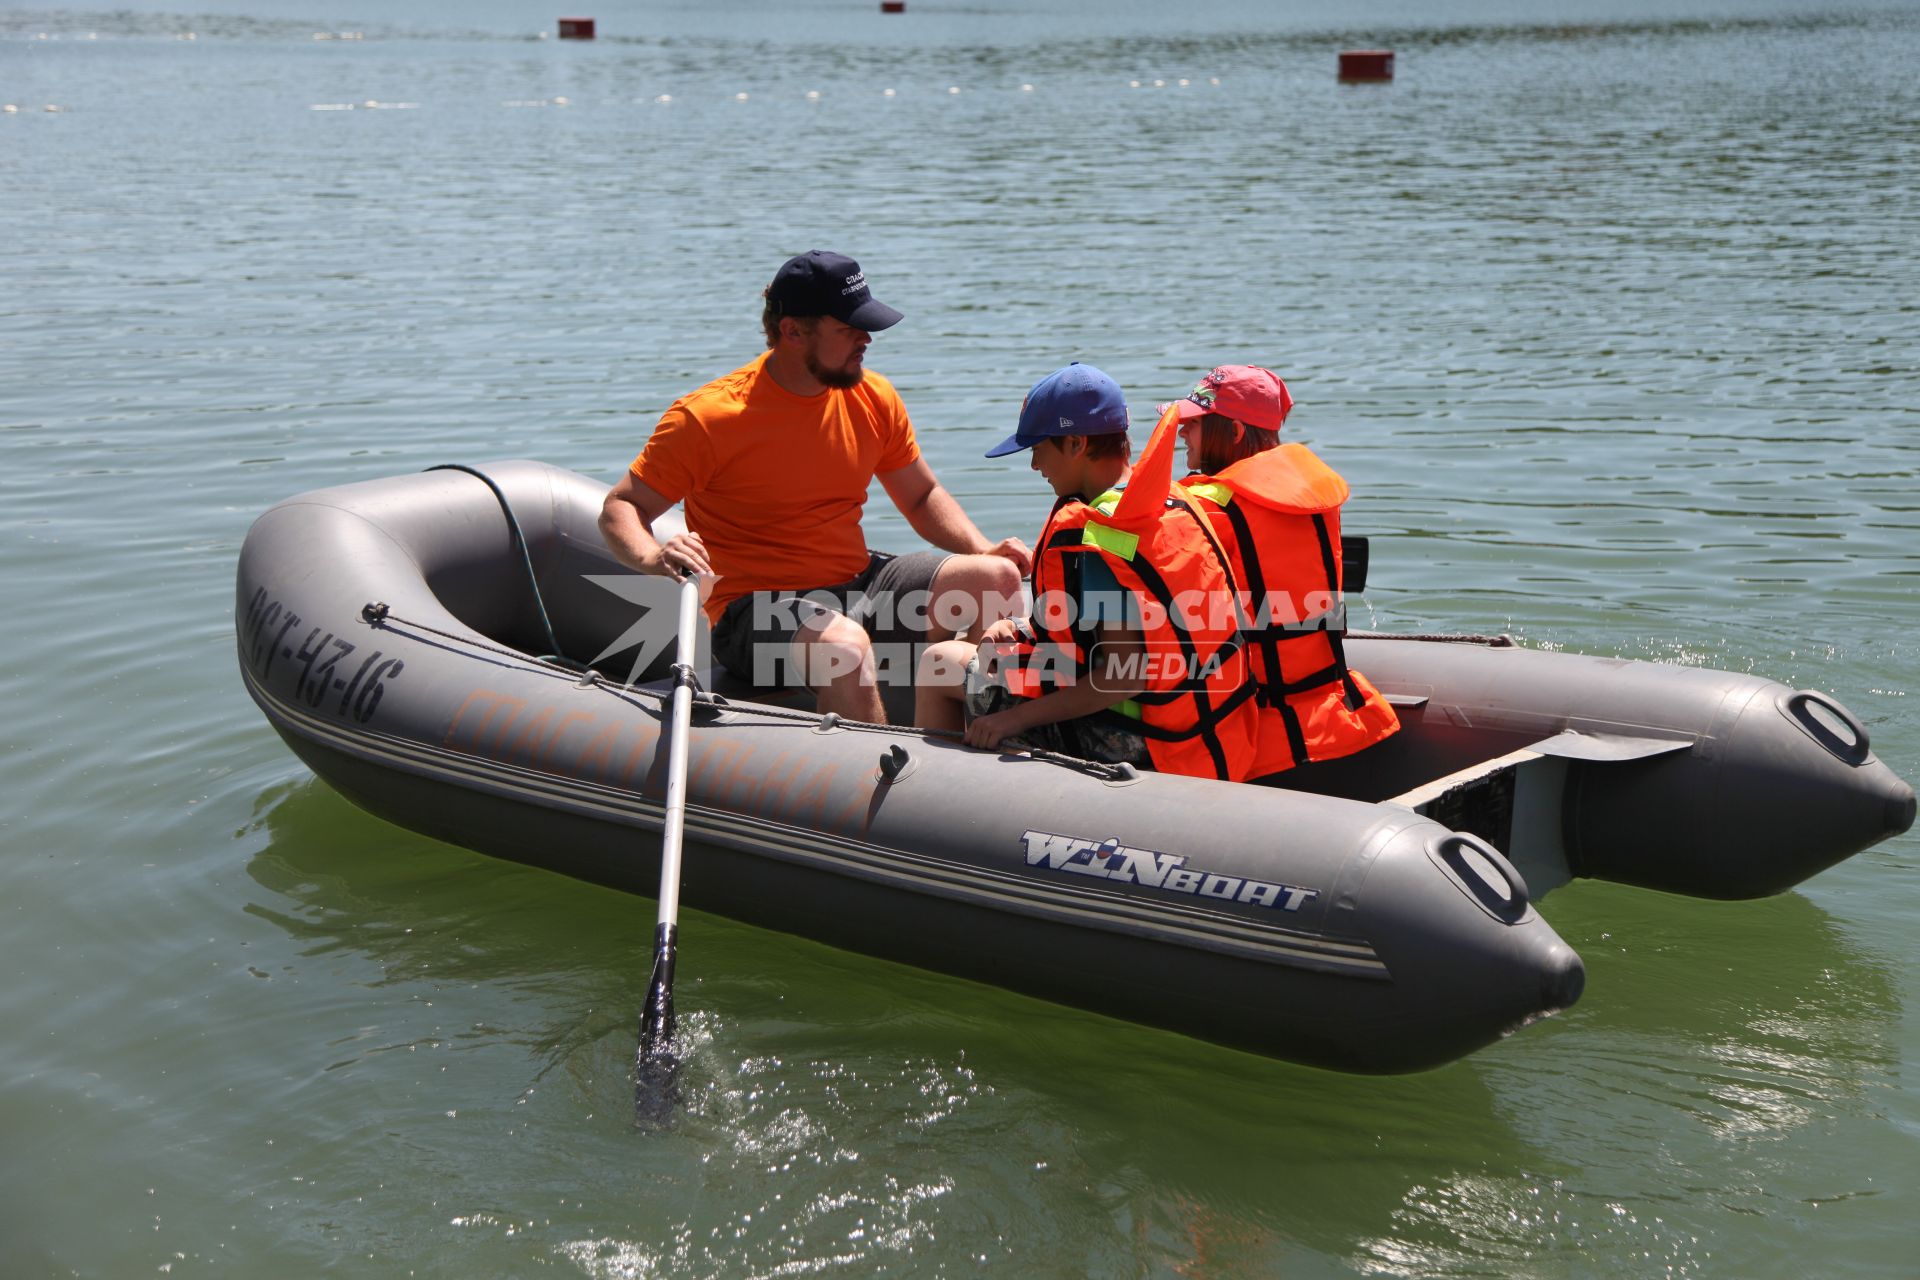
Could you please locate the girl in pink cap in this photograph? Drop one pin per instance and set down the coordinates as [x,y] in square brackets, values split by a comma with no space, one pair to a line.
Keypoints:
[1276,511]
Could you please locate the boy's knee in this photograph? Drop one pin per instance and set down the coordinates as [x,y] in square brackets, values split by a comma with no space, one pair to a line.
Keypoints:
[944,663]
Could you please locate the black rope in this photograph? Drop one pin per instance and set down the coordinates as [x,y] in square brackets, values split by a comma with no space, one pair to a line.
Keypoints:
[376,614]
[554,651]
[1502,641]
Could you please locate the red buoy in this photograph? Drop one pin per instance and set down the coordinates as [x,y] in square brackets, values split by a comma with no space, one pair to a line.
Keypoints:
[893,6]
[1360,65]
[576,28]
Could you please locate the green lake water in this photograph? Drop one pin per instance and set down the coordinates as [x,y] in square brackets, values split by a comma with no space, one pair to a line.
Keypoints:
[1609,311]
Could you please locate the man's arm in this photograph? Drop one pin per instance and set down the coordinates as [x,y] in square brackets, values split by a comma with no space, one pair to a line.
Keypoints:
[937,517]
[626,522]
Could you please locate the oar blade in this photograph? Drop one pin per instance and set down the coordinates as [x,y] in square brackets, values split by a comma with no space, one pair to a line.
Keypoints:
[656,1072]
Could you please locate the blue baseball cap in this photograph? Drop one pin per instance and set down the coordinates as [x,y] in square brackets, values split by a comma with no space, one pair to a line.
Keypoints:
[1078,400]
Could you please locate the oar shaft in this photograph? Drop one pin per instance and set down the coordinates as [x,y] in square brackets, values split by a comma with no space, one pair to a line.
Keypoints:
[680,715]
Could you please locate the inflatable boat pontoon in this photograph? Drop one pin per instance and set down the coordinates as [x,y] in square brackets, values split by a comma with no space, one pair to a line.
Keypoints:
[1374,914]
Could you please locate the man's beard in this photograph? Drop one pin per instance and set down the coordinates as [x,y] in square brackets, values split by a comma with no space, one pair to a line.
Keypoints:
[839,379]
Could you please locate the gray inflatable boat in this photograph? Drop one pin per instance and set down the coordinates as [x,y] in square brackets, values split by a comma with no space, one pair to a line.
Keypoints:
[1376,914]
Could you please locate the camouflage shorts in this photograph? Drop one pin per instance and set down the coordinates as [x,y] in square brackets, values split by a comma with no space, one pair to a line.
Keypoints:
[1089,737]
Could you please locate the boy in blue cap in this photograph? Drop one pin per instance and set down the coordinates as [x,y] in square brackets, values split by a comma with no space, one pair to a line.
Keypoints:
[1075,422]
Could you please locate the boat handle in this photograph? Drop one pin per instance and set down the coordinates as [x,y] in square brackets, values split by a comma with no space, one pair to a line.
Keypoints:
[1472,874]
[1823,719]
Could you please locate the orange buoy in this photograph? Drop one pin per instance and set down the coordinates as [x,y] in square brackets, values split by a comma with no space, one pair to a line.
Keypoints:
[1361,65]
[576,28]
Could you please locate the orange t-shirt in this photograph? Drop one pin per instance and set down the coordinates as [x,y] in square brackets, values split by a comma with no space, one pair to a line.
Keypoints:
[773,482]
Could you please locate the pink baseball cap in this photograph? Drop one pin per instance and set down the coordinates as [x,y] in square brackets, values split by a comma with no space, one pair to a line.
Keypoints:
[1244,392]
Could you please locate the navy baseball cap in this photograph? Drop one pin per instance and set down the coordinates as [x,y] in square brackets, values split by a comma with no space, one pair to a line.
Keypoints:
[1078,400]
[819,283]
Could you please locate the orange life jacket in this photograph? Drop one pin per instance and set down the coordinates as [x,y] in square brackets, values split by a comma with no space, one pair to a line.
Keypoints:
[1197,712]
[1278,515]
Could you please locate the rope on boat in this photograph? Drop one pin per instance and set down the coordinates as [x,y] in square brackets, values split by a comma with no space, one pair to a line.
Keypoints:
[380,615]
[555,653]
[1501,641]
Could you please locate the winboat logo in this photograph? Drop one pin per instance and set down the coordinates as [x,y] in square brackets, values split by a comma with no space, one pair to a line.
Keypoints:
[1110,860]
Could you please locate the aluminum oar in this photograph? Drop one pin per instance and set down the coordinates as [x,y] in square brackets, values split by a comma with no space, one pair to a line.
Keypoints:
[657,1064]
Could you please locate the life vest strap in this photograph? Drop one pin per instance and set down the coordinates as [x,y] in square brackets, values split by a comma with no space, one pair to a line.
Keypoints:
[1278,690]
[1296,735]
[1205,724]
[1355,699]
[1332,623]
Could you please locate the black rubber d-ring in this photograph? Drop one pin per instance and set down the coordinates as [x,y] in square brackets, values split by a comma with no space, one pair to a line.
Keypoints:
[1452,850]
[1853,750]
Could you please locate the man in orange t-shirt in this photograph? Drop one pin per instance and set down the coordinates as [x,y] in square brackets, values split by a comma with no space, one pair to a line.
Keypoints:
[773,462]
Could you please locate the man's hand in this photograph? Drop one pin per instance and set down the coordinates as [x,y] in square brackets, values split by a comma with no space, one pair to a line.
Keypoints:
[1015,550]
[626,522]
[681,554]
